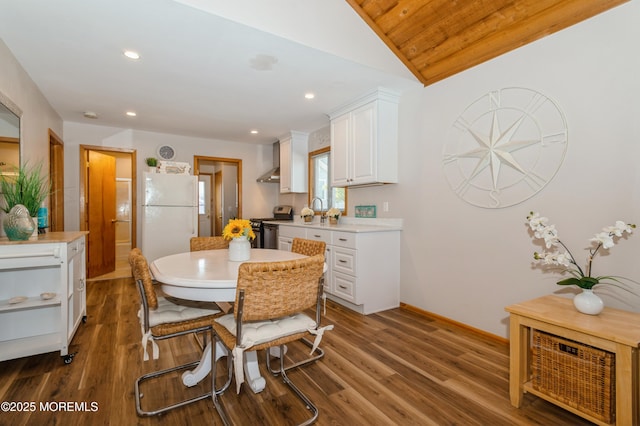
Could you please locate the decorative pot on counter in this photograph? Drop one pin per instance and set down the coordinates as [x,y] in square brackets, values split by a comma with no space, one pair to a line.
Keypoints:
[239,249]
[308,218]
[588,302]
[333,220]
[18,224]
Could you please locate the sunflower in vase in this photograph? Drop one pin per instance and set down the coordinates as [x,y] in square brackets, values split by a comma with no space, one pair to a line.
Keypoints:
[238,228]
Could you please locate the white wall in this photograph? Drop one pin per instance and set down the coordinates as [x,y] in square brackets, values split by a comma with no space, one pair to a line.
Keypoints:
[467,263]
[258,198]
[37,115]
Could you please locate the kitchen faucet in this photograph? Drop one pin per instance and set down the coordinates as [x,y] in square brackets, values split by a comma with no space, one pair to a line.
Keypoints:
[322,216]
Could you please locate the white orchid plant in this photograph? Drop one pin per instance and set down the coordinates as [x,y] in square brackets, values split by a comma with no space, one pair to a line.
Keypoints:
[560,255]
[306,212]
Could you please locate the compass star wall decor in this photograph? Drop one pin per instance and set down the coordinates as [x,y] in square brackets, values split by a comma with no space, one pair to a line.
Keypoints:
[505,147]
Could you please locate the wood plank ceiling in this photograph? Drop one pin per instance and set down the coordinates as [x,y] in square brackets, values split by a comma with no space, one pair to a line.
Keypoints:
[439,38]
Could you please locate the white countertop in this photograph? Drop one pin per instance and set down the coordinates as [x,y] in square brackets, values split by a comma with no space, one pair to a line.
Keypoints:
[347,224]
[48,237]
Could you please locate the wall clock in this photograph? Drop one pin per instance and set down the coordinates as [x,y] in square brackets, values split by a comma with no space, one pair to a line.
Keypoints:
[505,147]
[166,152]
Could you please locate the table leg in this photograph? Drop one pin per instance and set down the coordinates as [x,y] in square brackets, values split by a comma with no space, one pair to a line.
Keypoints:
[193,377]
[252,375]
[253,378]
[518,350]
[626,392]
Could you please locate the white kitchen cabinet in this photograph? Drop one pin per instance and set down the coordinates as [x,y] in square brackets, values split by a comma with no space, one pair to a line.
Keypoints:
[294,149]
[363,266]
[286,234]
[42,294]
[364,141]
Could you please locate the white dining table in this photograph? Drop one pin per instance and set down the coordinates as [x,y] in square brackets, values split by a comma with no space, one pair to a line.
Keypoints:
[209,276]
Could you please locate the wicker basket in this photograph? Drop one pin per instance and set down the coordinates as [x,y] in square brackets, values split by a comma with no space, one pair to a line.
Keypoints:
[575,374]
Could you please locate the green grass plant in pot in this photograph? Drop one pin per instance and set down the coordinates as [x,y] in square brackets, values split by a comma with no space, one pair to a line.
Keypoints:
[27,186]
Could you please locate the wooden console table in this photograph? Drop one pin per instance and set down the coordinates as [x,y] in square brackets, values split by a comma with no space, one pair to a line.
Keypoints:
[613,330]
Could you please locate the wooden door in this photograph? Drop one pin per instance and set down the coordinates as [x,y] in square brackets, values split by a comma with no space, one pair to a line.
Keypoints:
[218,203]
[56,173]
[101,204]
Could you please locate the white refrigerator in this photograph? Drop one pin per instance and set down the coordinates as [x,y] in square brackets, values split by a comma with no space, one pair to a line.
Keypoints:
[169,214]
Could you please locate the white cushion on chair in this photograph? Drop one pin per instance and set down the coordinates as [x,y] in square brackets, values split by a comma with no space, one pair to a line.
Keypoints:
[171,312]
[254,333]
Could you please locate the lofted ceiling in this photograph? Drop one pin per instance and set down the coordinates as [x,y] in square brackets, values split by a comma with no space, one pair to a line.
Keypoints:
[438,38]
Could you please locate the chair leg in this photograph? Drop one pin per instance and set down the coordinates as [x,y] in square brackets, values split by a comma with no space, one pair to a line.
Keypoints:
[155,374]
[215,391]
[298,392]
[319,354]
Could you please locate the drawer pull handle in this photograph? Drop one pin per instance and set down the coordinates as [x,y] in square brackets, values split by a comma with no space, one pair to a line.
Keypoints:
[317,236]
[342,239]
[342,261]
[343,287]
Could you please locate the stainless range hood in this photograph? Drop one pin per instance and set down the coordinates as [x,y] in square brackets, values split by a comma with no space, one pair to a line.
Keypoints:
[273,175]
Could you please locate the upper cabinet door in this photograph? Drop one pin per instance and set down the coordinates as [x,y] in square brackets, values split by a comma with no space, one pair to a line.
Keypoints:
[294,150]
[364,141]
[363,162]
[340,131]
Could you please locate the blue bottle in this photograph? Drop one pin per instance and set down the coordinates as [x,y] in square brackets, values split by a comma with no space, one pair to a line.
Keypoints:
[42,217]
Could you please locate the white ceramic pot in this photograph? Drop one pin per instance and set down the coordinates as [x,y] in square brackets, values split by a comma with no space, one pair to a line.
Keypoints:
[239,249]
[588,302]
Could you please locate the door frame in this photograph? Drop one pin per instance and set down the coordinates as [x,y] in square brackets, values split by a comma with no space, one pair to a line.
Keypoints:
[84,187]
[235,161]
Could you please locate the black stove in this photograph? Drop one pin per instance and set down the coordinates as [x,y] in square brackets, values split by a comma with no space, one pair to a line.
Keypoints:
[266,234]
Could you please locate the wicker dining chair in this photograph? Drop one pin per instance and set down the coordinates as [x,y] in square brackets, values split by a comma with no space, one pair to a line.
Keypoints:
[270,300]
[307,248]
[162,319]
[211,243]
[208,243]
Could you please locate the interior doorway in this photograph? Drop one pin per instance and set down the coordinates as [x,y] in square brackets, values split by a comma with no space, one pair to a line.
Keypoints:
[108,209]
[225,200]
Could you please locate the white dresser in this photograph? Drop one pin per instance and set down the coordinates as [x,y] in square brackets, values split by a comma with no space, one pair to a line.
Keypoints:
[363,263]
[42,294]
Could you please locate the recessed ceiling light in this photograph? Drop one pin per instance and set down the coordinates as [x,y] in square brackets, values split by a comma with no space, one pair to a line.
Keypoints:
[131,113]
[309,95]
[131,54]
[254,132]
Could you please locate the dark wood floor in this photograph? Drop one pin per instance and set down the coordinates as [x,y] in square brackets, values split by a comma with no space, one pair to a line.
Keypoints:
[395,367]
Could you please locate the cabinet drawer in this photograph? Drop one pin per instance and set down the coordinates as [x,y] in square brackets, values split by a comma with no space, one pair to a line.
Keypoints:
[344,286]
[291,231]
[74,247]
[319,235]
[344,239]
[344,260]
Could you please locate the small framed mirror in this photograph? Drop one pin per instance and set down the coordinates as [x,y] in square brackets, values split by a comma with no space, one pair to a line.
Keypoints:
[9,135]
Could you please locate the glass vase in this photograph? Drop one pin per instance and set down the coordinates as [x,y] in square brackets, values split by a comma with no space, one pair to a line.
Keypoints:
[18,224]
